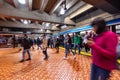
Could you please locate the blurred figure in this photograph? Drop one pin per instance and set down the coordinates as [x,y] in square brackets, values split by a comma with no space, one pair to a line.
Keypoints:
[51,42]
[48,43]
[67,46]
[85,42]
[57,44]
[118,53]
[54,41]
[118,48]
[103,50]
[31,43]
[76,44]
[26,48]
[9,42]
[44,47]
[38,42]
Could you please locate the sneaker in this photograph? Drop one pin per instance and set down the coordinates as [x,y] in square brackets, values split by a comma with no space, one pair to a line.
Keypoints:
[46,58]
[22,61]
[28,59]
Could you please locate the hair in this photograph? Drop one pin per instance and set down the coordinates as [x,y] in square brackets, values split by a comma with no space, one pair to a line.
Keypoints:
[101,24]
[25,35]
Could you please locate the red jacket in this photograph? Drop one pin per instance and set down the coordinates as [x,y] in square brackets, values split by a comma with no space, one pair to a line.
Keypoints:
[104,50]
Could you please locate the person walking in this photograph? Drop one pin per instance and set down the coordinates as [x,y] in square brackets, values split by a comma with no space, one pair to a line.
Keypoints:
[103,50]
[85,42]
[38,42]
[44,47]
[26,48]
[67,46]
[57,44]
[76,44]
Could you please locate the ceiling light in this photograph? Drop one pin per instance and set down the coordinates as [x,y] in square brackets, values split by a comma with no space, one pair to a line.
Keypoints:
[22,1]
[62,11]
[64,26]
[47,24]
[29,21]
[41,30]
[25,22]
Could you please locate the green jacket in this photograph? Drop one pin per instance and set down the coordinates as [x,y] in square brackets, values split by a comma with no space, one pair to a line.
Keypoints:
[76,40]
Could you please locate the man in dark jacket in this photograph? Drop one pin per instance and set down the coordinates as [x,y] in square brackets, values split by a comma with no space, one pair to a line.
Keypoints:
[38,42]
[26,48]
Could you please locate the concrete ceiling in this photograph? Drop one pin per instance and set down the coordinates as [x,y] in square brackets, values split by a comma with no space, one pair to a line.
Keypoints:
[36,11]
[47,11]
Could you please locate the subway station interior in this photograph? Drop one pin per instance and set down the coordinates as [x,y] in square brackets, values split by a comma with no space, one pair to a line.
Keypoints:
[59,39]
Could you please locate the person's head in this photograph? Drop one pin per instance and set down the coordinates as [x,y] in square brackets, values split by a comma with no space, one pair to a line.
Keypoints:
[86,32]
[25,35]
[99,25]
[75,34]
[68,36]
[44,36]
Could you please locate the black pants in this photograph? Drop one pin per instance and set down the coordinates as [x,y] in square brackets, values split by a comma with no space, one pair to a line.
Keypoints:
[57,47]
[45,53]
[86,47]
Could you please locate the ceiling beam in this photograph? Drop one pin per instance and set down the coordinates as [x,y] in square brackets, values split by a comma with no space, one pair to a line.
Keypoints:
[3,18]
[50,5]
[74,8]
[19,25]
[69,5]
[56,6]
[11,2]
[10,12]
[16,3]
[43,5]
[104,5]
[36,4]
[30,4]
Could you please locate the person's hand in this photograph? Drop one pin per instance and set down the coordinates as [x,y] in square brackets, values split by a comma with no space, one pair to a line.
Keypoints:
[90,42]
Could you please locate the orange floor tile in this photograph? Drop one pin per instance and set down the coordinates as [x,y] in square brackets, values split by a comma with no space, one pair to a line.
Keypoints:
[55,68]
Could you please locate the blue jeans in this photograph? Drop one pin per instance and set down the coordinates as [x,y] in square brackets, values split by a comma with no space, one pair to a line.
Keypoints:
[98,73]
[77,46]
[67,49]
[26,51]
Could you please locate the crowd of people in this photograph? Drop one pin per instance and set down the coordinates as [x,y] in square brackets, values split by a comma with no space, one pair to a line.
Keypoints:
[101,42]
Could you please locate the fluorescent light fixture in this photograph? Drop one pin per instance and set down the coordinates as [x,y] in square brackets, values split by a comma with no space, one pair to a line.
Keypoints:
[64,26]
[22,1]
[24,21]
[41,30]
[47,24]
[81,10]
[62,11]
[48,31]
[29,21]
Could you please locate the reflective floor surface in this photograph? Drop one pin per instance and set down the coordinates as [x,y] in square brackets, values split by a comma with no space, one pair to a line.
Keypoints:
[55,68]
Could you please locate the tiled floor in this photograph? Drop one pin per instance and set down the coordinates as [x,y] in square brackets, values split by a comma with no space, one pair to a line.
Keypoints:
[55,68]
